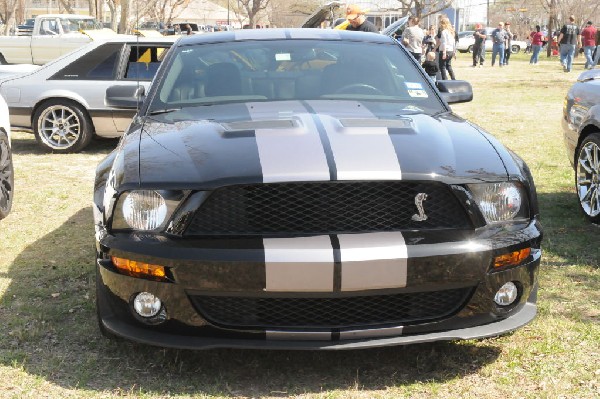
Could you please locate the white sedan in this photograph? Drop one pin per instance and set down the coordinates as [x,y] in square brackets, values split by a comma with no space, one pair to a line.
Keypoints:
[466,42]
[62,102]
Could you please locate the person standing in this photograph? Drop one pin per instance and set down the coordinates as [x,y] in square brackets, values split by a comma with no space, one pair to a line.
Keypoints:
[588,37]
[431,65]
[412,38]
[479,45]
[429,40]
[446,49]
[597,56]
[537,41]
[358,20]
[499,41]
[568,38]
[507,43]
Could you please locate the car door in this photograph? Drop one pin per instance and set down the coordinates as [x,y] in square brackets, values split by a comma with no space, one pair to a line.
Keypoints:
[45,42]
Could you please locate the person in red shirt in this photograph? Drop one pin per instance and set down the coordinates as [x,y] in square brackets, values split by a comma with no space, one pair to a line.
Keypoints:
[588,37]
[537,41]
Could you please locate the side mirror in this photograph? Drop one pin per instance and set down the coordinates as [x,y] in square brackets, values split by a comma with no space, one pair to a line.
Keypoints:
[455,91]
[129,97]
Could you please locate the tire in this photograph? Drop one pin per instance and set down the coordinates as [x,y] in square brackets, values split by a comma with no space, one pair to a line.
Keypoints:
[6,176]
[515,49]
[587,177]
[470,49]
[3,60]
[62,126]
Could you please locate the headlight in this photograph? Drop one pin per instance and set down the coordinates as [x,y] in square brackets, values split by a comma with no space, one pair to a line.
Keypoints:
[145,210]
[501,202]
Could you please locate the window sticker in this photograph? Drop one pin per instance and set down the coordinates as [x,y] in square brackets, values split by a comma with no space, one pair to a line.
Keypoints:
[413,85]
[283,57]
[417,93]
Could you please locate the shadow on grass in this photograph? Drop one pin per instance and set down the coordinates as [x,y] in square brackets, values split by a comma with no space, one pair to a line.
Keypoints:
[25,144]
[49,330]
[567,232]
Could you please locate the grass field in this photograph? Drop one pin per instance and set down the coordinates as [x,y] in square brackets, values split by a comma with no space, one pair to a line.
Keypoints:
[50,346]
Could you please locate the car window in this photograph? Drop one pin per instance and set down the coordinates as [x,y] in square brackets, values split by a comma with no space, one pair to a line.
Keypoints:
[99,64]
[293,70]
[144,60]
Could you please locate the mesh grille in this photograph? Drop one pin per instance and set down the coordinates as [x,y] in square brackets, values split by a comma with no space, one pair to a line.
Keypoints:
[325,208]
[340,312]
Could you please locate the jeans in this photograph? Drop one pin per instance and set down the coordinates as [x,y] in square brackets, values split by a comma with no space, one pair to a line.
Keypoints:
[536,54]
[506,55]
[597,56]
[478,54]
[588,51]
[567,51]
[446,65]
[498,48]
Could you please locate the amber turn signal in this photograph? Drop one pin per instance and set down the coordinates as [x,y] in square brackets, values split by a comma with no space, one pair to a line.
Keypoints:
[512,258]
[139,269]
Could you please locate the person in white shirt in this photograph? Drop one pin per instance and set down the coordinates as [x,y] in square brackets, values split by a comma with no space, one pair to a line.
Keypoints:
[412,38]
[446,49]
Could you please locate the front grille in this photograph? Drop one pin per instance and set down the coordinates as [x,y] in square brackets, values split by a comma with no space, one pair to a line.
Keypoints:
[329,312]
[325,208]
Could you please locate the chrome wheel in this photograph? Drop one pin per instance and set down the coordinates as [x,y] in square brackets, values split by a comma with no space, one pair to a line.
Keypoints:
[6,176]
[62,126]
[587,177]
[59,127]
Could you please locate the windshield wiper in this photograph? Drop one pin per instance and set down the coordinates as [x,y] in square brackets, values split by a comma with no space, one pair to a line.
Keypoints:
[163,111]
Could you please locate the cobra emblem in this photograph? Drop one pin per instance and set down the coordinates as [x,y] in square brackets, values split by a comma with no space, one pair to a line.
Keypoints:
[419,199]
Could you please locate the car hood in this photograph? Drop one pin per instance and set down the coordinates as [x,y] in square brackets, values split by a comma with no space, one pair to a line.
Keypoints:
[312,141]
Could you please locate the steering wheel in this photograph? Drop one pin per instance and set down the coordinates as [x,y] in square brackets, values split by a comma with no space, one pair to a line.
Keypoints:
[358,88]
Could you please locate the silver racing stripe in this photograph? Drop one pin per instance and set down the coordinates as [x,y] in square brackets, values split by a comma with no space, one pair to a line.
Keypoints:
[298,335]
[299,264]
[360,153]
[371,333]
[373,261]
[293,154]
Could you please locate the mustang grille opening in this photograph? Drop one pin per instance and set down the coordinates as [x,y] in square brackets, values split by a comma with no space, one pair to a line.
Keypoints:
[329,312]
[326,208]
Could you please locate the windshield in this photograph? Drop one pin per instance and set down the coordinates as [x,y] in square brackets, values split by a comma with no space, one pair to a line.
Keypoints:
[76,24]
[283,70]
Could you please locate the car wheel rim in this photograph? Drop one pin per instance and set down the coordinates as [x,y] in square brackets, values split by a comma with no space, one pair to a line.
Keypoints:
[59,127]
[588,175]
[6,173]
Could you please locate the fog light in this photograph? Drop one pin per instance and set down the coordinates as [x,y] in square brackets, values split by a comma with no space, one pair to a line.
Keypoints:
[507,294]
[147,304]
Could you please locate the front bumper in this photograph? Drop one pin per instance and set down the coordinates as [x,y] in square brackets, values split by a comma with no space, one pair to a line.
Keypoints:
[432,263]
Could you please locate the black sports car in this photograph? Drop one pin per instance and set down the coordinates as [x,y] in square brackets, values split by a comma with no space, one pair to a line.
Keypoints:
[309,189]
[581,127]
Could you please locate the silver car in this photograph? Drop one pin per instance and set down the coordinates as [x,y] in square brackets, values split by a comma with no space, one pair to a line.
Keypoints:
[62,102]
[6,166]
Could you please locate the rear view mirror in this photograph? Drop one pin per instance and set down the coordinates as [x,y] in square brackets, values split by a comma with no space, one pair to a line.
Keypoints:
[455,91]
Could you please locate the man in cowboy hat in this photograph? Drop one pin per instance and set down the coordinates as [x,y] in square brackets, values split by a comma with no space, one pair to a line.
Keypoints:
[358,21]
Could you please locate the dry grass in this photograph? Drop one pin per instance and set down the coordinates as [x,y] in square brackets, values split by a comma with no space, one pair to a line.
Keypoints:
[50,346]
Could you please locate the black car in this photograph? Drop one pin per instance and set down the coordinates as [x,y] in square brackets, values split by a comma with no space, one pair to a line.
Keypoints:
[581,127]
[309,189]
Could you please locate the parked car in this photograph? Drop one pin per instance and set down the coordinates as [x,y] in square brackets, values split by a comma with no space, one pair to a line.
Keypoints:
[309,189]
[6,165]
[26,28]
[62,102]
[466,42]
[581,128]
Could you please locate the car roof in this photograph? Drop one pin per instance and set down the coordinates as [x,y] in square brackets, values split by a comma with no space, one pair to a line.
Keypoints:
[282,33]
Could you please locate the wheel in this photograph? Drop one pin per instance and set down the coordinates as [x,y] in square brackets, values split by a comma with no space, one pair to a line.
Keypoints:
[358,88]
[587,177]
[6,176]
[3,60]
[515,49]
[62,126]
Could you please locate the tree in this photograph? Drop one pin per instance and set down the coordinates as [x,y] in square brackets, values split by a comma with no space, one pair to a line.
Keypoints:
[424,8]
